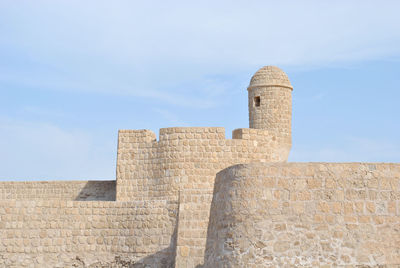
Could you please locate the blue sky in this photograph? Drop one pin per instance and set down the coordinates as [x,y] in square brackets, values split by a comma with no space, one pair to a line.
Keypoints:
[74,72]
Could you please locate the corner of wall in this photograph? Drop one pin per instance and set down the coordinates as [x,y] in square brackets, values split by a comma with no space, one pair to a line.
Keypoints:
[280,145]
[130,143]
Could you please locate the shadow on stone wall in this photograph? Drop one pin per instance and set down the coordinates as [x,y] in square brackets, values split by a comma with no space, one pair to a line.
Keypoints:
[210,237]
[161,259]
[97,191]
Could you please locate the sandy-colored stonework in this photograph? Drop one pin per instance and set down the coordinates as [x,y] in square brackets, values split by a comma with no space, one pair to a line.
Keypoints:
[194,198]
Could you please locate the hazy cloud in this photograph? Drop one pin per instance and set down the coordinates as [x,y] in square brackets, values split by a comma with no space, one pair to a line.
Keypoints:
[157,46]
[40,151]
[171,118]
[185,54]
[350,149]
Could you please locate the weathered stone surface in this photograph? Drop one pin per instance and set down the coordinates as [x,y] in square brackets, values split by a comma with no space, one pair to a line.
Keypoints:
[326,230]
[59,233]
[58,190]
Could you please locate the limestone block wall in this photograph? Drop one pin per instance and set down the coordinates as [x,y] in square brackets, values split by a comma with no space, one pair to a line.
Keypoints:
[270,102]
[138,157]
[305,214]
[186,159]
[194,211]
[274,112]
[149,169]
[59,190]
[85,234]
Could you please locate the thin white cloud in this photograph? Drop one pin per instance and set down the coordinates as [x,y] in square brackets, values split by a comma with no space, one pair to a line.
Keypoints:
[42,112]
[104,86]
[167,51]
[38,150]
[171,118]
[157,46]
[353,149]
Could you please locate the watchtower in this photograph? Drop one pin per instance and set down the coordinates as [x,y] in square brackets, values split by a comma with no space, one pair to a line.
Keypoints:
[270,102]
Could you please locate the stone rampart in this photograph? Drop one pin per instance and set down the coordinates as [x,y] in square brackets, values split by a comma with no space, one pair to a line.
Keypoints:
[58,190]
[305,214]
[184,160]
[85,234]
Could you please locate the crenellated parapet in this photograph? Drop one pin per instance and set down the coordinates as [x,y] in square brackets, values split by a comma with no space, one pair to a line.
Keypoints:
[151,169]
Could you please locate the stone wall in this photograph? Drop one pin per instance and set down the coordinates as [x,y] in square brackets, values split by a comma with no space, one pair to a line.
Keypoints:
[305,214]
[274,112]
[194,211]
[151,169]
[86,234]
[270,102]
[187,160]
[58,190]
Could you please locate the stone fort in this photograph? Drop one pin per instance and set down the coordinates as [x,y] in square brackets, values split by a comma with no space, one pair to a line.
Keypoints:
[194,198]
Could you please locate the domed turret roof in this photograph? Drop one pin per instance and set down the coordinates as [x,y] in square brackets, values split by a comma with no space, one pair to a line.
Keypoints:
[270,76]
